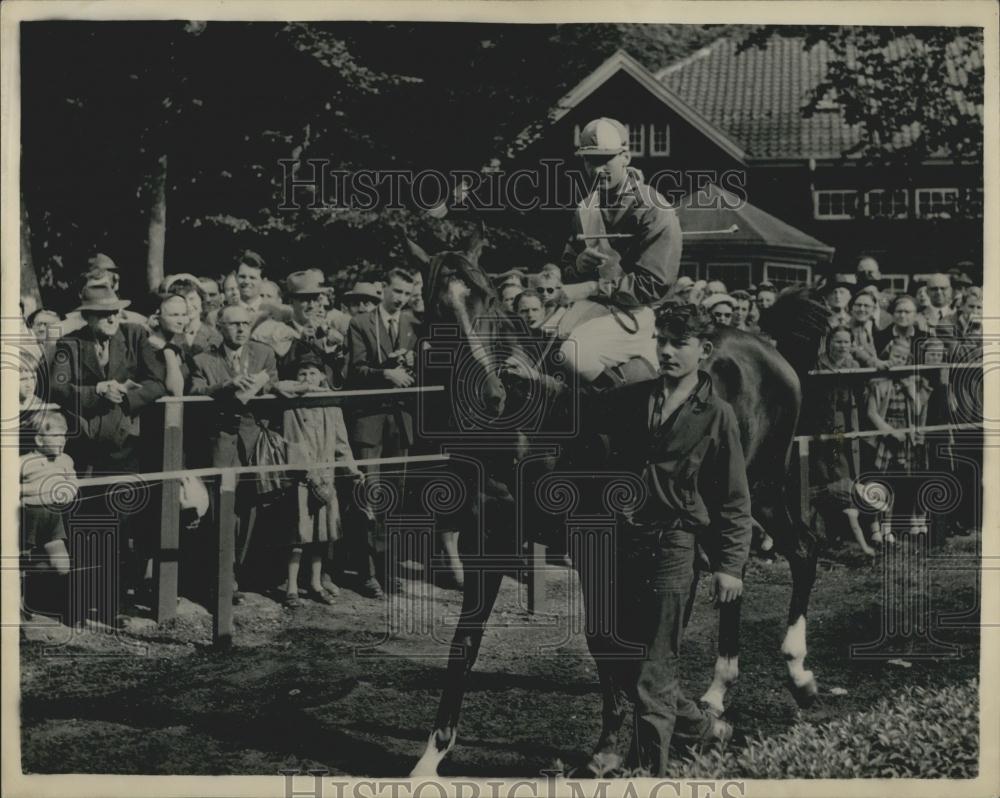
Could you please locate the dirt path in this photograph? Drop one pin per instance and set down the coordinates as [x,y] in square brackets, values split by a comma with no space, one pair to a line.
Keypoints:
[353,688]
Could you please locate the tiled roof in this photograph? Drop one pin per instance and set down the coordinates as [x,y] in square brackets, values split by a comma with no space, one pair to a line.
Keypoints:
[713,209]
[757,97]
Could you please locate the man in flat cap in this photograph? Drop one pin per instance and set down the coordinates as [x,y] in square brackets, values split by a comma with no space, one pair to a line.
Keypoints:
[624,278]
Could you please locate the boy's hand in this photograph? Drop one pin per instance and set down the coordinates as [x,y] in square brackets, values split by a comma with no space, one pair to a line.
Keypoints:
[725,588]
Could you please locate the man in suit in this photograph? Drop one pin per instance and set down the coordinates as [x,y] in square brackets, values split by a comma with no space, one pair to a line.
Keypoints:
[231,373]
[682,440]
[103,376]
[380,345]
[313,330]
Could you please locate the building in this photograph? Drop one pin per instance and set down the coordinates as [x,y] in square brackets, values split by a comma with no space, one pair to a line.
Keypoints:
[735,119]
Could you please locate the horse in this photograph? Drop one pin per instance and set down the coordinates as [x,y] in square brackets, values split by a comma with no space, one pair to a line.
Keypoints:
[760,383]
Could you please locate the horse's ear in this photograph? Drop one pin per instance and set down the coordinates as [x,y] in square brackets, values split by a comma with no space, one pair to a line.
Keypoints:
[475,243]
[418,252]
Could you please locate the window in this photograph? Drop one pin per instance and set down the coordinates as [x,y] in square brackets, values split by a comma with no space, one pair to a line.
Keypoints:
[659,139]
[689,269]
[781,275]
[734,275]
[835,204]
[937,203]
[972,203]
[636,139]
[897,282]
[887,204]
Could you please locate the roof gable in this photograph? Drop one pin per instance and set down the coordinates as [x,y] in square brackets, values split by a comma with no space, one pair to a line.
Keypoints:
[621,61]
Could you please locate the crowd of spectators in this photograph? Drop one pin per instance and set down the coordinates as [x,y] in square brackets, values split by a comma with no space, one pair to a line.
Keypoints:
[89,377]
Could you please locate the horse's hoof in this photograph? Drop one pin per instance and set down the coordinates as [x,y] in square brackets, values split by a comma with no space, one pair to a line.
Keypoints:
[438,745]
[804,694]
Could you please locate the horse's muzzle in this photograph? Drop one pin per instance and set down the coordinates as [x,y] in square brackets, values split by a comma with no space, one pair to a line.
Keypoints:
[494,395]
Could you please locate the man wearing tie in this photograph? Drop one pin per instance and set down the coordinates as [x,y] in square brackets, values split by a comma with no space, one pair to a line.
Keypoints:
[230,373]
[380,345]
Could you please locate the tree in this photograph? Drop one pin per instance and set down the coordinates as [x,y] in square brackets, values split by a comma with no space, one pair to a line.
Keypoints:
[914,92]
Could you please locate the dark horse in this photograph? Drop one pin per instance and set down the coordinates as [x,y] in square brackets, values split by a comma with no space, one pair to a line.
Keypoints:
[761,385]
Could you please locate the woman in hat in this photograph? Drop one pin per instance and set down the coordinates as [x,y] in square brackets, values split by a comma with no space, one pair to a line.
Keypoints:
[315,435]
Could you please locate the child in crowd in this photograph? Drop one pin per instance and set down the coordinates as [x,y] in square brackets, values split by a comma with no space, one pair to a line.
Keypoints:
[833,403]
[315,434]
[48,483]
[896,404]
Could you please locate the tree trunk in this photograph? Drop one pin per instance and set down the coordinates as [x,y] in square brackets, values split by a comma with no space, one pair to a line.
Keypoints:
[31,295]
[157,224]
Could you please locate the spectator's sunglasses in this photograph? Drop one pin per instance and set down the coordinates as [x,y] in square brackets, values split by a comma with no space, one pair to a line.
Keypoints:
[550,289]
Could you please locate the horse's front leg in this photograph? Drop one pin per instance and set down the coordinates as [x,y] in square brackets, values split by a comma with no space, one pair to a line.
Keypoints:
[727,661]
[478,599]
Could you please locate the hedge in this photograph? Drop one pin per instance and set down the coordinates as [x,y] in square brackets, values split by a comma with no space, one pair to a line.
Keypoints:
[918,733]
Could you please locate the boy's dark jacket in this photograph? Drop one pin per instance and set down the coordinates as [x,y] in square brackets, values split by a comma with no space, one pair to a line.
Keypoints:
[693,466]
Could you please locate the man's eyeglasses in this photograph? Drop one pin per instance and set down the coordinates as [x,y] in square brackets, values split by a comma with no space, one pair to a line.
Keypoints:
[550,289]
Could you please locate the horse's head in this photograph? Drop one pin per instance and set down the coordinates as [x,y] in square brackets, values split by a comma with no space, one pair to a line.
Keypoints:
[458,293]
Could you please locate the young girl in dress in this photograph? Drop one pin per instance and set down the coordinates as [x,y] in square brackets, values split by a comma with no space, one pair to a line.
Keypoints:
[315,434]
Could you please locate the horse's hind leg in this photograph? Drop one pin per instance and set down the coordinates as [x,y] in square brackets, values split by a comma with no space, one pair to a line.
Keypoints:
[802,683]
[478,598]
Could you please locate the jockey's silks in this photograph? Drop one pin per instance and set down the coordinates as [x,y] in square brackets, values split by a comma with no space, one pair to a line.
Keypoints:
[649,258]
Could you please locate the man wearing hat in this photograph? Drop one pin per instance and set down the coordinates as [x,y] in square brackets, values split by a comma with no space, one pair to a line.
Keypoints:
[362,298]
[837,291]
[625,277]
[103,377]
[101,270]
[313,333]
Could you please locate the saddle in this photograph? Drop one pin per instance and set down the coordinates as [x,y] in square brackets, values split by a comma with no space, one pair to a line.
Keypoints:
[636,369]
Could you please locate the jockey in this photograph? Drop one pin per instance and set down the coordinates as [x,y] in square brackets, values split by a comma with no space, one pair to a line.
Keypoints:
[616,283]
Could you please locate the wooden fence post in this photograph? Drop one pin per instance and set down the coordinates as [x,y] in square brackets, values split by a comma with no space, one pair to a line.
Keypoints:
[536,578]
[168,552]
[222,618]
